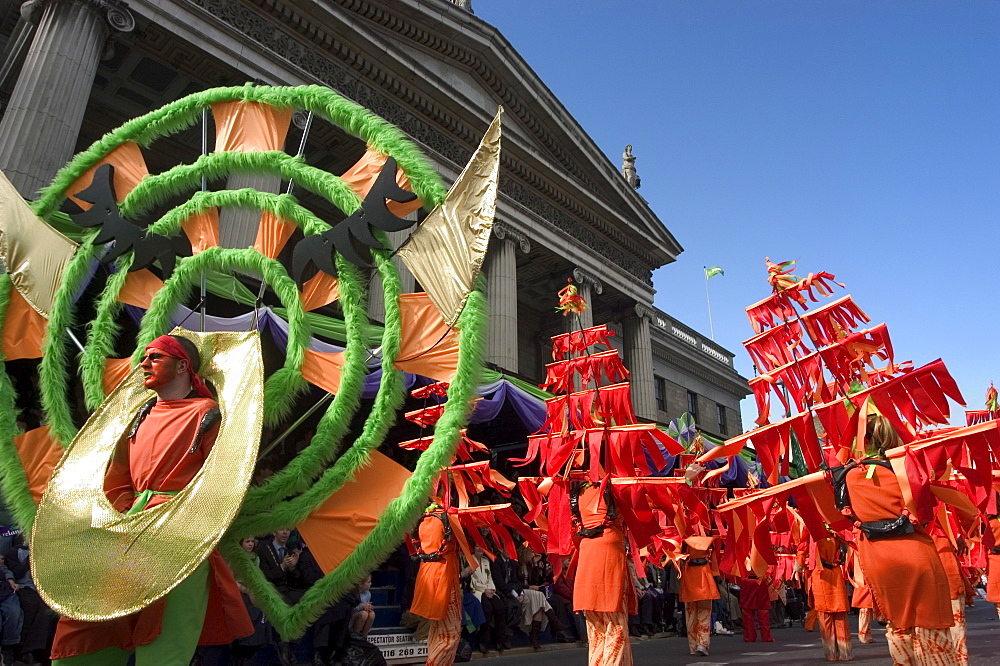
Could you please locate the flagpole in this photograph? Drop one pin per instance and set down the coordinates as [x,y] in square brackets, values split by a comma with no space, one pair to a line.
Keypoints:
[708,300]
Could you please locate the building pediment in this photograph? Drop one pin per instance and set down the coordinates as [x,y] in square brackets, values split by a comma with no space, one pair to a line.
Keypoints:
[454,70]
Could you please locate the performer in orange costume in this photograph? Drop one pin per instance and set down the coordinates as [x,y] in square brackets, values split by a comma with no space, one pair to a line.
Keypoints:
[829,593]
[698,589]
[993,566]
[956,584]
[900,563]
[603,586]
[755,601]
[861,599]
[165,447]
[436,594]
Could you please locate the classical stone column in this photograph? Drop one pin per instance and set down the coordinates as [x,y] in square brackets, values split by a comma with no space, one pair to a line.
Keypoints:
[396,239]
[376,298]
[408,283]
[501,280]
[42,121]
[588,286]
[639,360]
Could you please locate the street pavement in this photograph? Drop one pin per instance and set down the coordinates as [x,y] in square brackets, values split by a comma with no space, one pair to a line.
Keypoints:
[791,646]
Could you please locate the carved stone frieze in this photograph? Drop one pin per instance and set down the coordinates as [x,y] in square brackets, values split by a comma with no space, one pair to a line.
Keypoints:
[274,38]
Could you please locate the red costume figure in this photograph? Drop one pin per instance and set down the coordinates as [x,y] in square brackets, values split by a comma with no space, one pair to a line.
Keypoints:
[755,601]
[167,443]
[698,589]
[603,586]
[436,595]
[829,594]
[902,568]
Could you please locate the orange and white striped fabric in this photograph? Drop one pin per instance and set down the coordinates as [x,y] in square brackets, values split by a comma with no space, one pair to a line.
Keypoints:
[607,634]
[444,635]
[698,617]
[958,632]
[916,646]
[836,635]
[865,616]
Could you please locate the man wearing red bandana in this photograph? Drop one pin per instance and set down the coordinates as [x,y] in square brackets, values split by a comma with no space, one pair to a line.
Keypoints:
[166,445]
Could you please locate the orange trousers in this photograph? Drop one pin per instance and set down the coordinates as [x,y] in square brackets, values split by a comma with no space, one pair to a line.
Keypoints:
[865,616]
[810,622]
[698,617]
[836,635]
[607,634]
[916,646]
[443,638]
[958,632]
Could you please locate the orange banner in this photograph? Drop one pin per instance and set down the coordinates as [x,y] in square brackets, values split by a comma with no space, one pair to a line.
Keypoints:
[39,455]
[23,329]
[336,528]
[362,176]
[272,234]
[323,369]
[428,346]
[115,370]
[250,126]
[129,166]
[319,290]
[202,230]
[139,288]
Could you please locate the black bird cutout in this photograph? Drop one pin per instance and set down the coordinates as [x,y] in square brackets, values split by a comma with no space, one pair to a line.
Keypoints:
[353,237]
[127,236]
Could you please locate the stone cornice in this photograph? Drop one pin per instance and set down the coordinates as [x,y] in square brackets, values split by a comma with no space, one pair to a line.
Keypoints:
[524,189]
[734,385]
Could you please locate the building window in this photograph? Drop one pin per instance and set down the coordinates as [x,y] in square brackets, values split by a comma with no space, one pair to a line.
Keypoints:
[661,393]
[721,411]
[693,405]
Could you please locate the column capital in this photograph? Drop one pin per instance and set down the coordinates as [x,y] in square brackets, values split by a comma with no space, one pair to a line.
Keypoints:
[644,311]
[115,12]
[505,231]
[582,277]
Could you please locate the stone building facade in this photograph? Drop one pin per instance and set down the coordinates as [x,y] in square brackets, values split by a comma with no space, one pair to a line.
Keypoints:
[75,69]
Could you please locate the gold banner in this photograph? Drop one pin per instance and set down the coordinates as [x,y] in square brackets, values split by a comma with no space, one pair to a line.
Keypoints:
[33,253]
[446,253]
[93,563]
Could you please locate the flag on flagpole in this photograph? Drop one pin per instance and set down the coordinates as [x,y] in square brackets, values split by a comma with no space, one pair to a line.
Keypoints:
[713,271]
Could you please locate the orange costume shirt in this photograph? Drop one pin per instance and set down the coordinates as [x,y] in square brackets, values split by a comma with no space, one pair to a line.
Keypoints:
[159,457]
[903,572]
[603,582]
[827,582]
[949,560]
[437,580]
[698,580]
[993,565]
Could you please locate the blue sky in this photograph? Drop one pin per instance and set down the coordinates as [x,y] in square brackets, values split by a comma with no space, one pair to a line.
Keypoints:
[859,137]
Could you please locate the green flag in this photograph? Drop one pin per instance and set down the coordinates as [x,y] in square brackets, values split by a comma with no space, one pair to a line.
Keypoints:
[713,271]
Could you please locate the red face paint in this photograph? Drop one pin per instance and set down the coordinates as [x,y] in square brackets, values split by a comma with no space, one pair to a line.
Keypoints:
[159,368]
